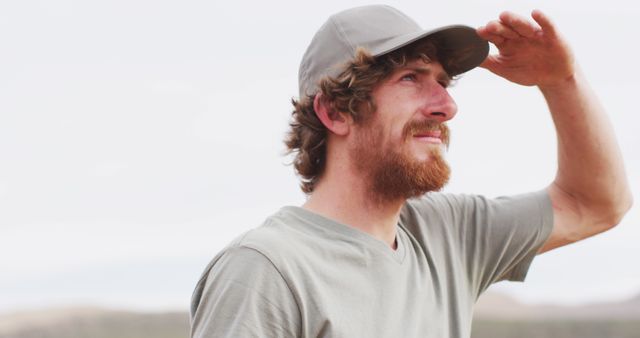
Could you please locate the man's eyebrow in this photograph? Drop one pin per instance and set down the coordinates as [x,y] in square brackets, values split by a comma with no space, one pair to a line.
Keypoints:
[442,76]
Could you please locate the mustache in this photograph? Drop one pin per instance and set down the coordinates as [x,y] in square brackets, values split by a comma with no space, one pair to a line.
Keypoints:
[424,126]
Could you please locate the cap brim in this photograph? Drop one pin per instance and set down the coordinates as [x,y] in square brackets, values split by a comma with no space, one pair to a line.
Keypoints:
[460,45]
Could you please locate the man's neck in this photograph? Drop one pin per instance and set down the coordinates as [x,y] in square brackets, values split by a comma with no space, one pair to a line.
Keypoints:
[350,202]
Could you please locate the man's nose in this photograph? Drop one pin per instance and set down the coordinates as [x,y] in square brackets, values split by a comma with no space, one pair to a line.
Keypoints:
[440,105]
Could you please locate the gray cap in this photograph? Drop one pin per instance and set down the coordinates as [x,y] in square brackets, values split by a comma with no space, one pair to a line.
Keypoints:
[379,29]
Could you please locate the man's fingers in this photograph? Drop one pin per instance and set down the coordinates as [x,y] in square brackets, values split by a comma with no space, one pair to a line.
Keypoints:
[545,23]
[499,28]
[493,38]
[519,24]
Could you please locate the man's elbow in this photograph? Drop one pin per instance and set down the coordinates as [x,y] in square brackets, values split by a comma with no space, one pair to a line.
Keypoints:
[624,206]
[617,208]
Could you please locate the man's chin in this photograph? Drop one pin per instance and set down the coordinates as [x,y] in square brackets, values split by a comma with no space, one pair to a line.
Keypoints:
[401,177]
[424,153]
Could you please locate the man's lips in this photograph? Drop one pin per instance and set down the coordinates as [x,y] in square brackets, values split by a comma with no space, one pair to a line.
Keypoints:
[432,136]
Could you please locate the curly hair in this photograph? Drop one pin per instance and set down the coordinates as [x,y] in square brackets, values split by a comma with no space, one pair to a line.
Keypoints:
[349,92]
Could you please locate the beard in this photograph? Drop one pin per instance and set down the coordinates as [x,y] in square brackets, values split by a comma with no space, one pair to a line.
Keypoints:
[395,174]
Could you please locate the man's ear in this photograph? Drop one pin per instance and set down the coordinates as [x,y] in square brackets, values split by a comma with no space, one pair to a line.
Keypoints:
[337,122]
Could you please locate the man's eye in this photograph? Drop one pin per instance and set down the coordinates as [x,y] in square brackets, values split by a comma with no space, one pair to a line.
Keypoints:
[408,77]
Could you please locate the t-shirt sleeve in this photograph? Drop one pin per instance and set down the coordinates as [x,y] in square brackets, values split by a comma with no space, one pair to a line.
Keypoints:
[500,237]
[492,239]
[244,295]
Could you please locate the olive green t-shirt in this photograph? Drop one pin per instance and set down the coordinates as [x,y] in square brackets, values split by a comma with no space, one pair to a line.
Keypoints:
[303,275]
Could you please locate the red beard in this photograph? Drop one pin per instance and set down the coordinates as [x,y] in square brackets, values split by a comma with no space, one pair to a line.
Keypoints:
[394,175]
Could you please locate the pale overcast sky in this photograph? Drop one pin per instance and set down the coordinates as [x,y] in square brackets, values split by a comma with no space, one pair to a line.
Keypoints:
[137,138]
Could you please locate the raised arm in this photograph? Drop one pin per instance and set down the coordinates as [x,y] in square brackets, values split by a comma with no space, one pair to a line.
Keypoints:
[590,193]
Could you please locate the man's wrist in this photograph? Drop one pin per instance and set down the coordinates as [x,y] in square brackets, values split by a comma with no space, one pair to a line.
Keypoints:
[560,86]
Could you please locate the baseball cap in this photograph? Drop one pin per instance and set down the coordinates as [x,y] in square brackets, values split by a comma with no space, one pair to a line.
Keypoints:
[380,29]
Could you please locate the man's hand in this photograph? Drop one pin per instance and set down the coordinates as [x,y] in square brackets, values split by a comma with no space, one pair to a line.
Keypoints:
[590,193]
[529,54]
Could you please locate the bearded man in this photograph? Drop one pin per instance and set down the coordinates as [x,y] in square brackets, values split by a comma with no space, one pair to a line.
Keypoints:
[376,251]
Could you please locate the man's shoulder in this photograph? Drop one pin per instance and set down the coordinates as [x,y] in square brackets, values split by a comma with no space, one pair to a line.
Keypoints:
[281,237]
[434,204]
[439,199]
[249,271]
[439,214]
[442,210]
[450,206]
[438,202]
[255,256]
[279,234]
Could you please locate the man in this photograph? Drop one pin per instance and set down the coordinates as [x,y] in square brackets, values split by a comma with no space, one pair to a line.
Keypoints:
[375,251]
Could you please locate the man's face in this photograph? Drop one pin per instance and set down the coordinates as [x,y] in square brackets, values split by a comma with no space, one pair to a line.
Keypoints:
[400,148]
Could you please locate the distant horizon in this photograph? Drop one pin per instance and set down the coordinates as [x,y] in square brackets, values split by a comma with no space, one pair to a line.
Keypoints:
[485,299]
[491,293]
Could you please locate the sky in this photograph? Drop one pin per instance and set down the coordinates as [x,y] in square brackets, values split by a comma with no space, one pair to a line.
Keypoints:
[137,138]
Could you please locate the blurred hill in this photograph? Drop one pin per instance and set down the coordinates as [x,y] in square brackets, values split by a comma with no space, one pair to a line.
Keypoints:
[496,306]
[496,316]
[85,322]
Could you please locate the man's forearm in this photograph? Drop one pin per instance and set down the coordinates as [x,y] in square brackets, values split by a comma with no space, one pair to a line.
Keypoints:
[590,165]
